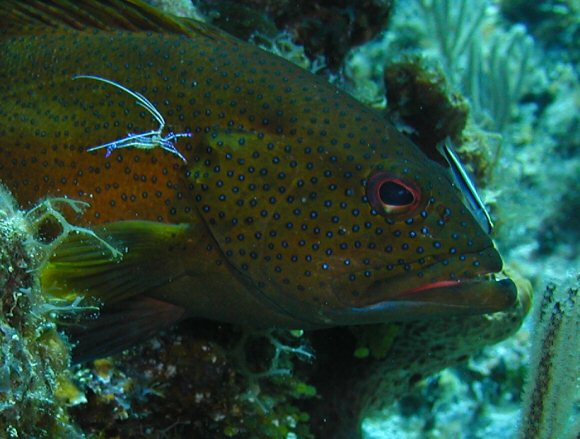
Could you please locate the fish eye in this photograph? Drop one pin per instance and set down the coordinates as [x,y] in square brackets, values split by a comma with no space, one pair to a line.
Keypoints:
[390,194]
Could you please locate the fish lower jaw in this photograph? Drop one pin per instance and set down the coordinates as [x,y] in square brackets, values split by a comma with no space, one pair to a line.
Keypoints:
[477,295]
[440,293]
[484,277]
[486,293]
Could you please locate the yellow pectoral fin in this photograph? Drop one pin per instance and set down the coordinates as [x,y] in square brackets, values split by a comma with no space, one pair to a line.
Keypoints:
[82,266]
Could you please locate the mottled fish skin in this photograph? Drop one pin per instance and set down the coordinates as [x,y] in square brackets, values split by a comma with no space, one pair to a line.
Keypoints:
[281,189]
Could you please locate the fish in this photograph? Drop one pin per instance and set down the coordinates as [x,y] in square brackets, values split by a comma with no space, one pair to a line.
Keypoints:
[237,186]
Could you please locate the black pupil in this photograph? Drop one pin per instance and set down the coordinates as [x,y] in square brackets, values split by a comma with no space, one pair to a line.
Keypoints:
[394,194]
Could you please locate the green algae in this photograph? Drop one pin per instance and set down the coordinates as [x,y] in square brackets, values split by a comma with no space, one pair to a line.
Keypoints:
[375,340]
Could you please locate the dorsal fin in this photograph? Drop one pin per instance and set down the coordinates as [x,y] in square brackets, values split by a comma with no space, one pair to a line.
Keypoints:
[18,17]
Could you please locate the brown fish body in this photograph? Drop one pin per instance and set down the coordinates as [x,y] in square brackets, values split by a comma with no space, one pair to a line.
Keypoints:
[49,120]
[278,217]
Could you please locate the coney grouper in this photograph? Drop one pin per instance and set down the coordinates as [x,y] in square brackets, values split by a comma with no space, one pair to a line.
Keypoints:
[225,183]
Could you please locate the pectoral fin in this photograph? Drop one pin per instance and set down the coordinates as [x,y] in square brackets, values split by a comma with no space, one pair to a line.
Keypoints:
[81,265]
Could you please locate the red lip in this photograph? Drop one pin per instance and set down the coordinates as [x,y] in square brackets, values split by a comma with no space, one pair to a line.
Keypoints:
[479,292]
[443,299]
[440,284]
[474,295]
[436,293]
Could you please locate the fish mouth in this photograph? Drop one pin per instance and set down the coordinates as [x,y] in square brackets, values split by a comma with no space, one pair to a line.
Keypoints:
[492,292]
[484,290]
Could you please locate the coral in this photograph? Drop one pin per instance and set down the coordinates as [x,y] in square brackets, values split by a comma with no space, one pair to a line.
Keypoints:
[562,228]
[420,99]
[495,80]
[552,395]
[283,45]
[479,395]
[203,380]
[35,385]
[488,64]
[450,69]
[542,163]
[555,23]
[327,29]
[489,68]
[454,26]
[240,19]
[491,74]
